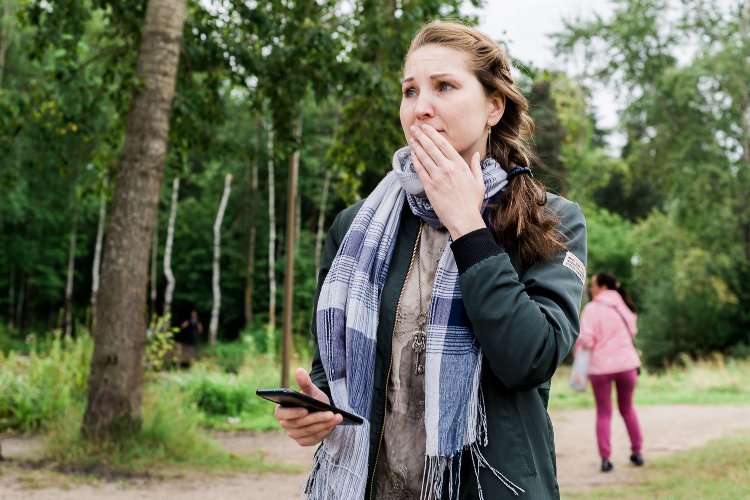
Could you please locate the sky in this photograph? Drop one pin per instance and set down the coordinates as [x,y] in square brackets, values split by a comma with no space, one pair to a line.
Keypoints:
[525,26]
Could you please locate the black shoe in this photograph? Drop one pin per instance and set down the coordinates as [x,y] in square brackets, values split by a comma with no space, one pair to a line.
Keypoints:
[637,459]
[606,465]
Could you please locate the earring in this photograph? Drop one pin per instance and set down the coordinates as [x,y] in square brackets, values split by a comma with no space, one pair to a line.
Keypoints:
[489,142]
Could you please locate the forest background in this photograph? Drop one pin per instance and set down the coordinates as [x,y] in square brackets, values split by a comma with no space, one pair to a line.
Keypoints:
[264,89]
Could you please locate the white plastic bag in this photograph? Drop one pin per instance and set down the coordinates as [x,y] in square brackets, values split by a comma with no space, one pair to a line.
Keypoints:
[580,374]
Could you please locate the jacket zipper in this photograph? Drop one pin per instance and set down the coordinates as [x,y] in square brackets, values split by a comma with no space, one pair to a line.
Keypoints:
[390,359]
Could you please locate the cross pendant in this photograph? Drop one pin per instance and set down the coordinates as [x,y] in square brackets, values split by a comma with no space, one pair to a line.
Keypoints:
[419,345]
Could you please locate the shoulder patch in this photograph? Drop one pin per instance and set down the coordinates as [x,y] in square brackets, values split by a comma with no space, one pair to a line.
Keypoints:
[574,264]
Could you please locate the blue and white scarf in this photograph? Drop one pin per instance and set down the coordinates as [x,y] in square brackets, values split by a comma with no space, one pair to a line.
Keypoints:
[347,323]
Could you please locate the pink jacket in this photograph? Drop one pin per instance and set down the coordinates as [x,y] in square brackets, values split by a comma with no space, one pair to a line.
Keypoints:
[605,333]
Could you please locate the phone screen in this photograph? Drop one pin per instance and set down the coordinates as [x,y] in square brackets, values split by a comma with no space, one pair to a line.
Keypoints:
[287,397]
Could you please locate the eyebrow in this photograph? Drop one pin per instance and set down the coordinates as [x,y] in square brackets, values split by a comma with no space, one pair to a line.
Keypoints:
[432,77]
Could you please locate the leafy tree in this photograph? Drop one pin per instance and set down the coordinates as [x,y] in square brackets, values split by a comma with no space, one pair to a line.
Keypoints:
[687,148]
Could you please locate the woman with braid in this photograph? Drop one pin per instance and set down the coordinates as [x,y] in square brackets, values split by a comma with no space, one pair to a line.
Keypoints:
[447,298]
[608,325]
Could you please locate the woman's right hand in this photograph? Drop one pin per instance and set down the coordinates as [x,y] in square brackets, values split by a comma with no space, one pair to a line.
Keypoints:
[307,428]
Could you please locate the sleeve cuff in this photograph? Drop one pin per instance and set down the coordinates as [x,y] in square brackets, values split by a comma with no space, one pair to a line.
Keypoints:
[474,247]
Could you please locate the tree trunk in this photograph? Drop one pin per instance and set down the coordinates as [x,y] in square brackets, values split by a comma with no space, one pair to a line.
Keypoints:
[68,321]
[113,408]
[213,328]
[271,234]
[168,274]
[250,271]
[291,226]
[320,236]
[98,253]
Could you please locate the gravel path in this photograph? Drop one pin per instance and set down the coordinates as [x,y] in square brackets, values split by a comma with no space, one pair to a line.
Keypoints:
[667,429]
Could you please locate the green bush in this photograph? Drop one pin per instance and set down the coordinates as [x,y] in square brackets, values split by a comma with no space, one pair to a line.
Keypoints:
[37,388]
[610,246]
[217,395]
[229,356]
[686,301]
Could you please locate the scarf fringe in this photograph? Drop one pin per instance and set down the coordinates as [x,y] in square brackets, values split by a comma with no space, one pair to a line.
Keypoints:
[329,480]
[437,468]
[478,461]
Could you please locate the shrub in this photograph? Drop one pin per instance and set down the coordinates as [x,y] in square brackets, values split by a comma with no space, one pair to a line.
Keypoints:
[35,389]
[686,302]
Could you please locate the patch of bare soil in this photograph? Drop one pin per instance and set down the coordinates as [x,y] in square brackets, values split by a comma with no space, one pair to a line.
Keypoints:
[667,429]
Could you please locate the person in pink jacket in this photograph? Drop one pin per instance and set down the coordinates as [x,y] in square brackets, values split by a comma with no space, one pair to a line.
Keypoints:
[608,325]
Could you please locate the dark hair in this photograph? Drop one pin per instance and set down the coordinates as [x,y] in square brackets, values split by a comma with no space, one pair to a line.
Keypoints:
[521,221]
[609,281]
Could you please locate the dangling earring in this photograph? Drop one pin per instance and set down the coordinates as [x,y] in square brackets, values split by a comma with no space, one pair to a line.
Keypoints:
[489,143]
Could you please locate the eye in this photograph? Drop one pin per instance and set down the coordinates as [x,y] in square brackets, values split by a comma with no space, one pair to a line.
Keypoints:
[409,92]
[445,86]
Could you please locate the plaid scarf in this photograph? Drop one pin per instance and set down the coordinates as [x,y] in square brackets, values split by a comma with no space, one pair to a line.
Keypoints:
[347,323]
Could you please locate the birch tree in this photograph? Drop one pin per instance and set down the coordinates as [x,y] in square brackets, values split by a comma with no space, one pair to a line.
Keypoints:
[95,268]
[116,382]
[252,237]
[215,280]
[271,233]
[168,274]
[68,320]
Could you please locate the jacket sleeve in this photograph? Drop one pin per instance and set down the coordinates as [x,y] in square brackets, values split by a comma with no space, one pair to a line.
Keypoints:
[525,325]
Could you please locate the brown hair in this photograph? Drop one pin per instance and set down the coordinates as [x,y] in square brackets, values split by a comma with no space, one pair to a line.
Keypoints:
[521,221]
[610,281]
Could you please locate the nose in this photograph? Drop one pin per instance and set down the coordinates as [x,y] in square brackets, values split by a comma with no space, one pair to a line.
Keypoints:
[424,108]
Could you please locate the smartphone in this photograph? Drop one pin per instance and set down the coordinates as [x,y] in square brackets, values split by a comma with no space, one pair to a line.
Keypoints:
[287,397]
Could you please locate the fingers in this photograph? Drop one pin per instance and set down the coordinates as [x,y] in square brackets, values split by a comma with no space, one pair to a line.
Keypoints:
[307,387]
[304,381]
[311,429]
[416,154]
[434,144]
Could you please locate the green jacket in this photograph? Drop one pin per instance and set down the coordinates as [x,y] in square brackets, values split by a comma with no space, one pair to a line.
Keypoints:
[526,321]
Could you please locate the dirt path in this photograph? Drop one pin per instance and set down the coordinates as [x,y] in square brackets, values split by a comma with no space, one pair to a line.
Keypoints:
[666,429]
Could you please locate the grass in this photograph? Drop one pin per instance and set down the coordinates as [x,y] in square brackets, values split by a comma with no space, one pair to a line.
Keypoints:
[712,381]
[170,436]
[44,392]
[227,401]
[720,470]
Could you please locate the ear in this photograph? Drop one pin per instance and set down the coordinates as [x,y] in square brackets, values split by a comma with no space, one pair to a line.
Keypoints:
[497,108]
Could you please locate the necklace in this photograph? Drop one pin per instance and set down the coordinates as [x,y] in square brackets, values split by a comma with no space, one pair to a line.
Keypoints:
[419,343]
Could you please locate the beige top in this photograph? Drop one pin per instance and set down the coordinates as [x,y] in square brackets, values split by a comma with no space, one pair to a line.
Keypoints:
[400,466]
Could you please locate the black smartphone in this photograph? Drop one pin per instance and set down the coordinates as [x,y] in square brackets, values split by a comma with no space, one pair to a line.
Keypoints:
[287,397]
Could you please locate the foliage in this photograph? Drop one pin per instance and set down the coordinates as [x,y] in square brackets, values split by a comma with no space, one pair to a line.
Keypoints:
[685,293]
[160,344]
[676,194]
[38,388]
[688,155]
[610,246]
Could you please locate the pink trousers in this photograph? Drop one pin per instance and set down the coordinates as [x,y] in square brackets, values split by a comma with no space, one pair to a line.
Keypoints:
[625,384]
